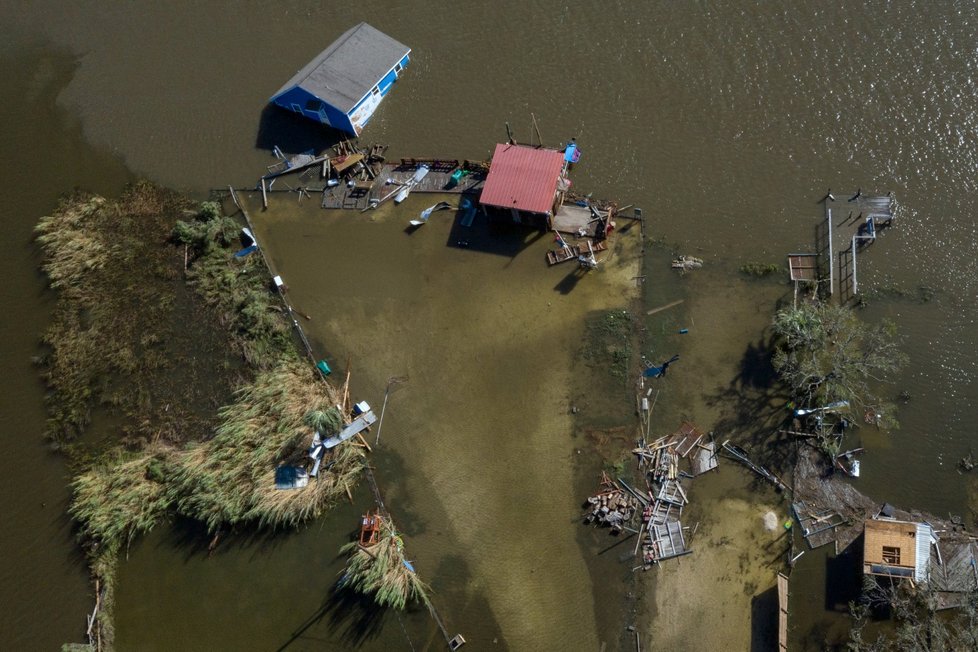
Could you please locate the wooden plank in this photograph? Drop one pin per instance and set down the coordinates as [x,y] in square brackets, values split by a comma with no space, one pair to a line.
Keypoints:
[782,612]
[665,307]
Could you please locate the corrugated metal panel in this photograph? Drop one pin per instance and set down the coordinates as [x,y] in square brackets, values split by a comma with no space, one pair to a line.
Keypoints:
[523,178]
[925,536]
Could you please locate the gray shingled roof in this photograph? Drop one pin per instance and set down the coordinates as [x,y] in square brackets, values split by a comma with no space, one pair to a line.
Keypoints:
[346,71]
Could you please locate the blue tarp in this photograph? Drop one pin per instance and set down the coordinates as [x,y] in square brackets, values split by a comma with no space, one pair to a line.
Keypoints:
[572,154]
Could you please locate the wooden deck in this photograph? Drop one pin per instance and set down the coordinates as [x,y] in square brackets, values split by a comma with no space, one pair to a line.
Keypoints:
[817,526]
[704,459]
[390,177]
[782,612]
[564,254]
[843,237]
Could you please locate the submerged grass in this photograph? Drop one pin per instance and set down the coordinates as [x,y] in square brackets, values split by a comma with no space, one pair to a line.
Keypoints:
[128,335]
[381,571]
[609,342]
[237,288]
[113,290]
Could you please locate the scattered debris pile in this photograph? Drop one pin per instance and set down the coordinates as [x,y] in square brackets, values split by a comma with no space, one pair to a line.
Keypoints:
[612,505]
[661,520]
[687,263]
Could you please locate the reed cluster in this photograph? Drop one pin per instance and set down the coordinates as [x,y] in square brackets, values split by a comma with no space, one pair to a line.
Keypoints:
[381,571]
[235,287]
[128,335]
[106,341]
[230,478]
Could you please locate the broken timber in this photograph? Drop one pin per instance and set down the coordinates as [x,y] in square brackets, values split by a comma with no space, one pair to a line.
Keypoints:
[571,252]
[741,456]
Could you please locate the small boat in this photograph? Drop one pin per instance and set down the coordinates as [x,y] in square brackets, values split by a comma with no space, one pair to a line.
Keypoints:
[369,529]
[426,213]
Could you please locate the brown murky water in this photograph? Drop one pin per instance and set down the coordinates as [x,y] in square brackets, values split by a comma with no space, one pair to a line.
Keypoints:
[725,121]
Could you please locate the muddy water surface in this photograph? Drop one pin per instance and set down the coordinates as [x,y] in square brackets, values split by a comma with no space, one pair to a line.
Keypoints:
[725,122]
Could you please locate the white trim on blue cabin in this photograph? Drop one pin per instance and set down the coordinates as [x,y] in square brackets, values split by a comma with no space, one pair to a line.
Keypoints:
[376,85]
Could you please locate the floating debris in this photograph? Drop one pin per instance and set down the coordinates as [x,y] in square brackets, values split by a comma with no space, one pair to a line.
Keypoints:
[426,213]
[687,263]
[571,252]
[654,371]
[613,505]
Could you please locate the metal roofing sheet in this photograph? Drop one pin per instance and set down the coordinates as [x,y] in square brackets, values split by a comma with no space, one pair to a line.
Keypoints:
[524,178]
[346,71]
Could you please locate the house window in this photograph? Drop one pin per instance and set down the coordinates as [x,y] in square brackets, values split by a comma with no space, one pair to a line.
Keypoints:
[296,108]
[891,555]
[376,90]
[398,69]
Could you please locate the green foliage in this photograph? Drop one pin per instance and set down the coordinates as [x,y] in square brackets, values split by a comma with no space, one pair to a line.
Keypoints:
[760,270]
[236,287]
[609,342]
[326,422]
[826,354]
[379,571]
[77,647]
[919,626]
[114,331]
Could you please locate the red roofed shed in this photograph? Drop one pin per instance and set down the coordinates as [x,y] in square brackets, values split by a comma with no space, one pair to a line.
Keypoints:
[523,179]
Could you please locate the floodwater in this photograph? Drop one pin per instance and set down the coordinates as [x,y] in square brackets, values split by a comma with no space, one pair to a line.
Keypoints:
[725,121]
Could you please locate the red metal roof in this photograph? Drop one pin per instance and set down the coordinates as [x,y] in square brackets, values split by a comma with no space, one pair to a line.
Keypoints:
[524,178]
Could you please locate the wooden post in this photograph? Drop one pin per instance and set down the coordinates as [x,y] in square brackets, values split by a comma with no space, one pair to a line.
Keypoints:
[234,197]
[536,128]
[828,218]
[264,195]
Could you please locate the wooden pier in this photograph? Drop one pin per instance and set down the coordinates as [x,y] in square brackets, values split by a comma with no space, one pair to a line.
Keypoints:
[848,228]
[782,612]
[387,179]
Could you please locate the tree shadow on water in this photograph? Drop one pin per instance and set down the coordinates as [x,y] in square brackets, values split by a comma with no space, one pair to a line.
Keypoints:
[752,408]
[356,617]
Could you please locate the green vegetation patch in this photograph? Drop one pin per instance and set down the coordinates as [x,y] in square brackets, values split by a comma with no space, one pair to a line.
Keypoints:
[608,342]
[231,478]
[825,354]
[236,288]
[123,333]
[158,320]
[760,270]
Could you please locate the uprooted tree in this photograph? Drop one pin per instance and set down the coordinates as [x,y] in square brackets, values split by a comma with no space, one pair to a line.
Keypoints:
[826,354]
[920,627]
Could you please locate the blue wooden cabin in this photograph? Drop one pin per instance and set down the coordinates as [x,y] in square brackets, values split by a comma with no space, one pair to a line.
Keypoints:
[343,86]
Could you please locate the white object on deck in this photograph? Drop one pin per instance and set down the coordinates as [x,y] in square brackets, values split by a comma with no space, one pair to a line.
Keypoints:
[419,174]
[278,282]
